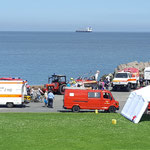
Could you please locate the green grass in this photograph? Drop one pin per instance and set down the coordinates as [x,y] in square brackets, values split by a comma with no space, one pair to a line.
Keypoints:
[72,131]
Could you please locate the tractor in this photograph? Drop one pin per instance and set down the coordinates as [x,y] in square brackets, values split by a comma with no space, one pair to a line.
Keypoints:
[56,83]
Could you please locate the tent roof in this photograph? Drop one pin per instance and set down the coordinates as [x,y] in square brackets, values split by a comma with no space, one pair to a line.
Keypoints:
[147,69]
[136,104]
[143,92]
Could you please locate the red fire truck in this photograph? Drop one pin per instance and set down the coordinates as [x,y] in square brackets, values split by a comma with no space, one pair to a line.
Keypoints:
[82,98]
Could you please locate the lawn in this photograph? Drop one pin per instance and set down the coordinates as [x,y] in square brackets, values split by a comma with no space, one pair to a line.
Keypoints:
[72,131]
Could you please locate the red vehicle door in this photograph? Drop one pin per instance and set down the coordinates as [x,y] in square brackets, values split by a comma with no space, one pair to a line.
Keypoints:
[106,99]
[94,101]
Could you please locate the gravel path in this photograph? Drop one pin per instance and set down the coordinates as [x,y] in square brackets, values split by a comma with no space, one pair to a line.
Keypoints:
[58,104]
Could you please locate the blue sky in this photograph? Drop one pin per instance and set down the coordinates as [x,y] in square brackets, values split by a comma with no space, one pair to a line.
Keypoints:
[69,15]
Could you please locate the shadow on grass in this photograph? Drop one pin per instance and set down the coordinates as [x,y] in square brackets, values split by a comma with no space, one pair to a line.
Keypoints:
[145,117]
[81,111]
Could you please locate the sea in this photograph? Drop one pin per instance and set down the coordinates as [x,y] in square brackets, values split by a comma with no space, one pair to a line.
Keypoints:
[35,56]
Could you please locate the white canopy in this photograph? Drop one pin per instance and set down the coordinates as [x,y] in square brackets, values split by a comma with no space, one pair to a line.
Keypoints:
[147,69]
[136,104]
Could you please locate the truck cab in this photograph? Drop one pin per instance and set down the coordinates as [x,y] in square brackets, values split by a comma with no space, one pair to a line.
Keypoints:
[127,79]
[147,74]
[80,98]
[121,80]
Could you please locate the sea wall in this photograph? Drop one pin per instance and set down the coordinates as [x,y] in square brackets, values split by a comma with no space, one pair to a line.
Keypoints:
[139,65]
[37,86]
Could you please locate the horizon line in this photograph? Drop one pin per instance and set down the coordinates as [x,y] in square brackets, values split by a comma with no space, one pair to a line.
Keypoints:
[73,31]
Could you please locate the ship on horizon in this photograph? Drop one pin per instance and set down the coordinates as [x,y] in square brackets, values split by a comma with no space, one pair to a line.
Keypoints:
[88,29]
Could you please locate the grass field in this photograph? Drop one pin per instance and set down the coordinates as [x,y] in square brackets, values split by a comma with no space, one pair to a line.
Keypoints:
[72,131]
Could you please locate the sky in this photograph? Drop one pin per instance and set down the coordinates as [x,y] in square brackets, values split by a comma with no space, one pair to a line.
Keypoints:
[70,15]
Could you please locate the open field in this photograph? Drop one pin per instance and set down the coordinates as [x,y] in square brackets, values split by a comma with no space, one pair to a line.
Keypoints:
[72,131]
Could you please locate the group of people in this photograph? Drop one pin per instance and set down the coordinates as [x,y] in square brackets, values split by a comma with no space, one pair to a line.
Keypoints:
[41,96]
[104,84]
[48,98]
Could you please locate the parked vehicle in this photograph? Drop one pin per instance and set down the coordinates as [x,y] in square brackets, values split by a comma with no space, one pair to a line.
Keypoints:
[127,78]
[149,106]
[27,98]
[56,83]
[89,82]
[147,74]
[12,92]
[82,98]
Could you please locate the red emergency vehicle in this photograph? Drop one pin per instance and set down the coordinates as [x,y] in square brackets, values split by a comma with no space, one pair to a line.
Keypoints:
[78,98]
[149,106]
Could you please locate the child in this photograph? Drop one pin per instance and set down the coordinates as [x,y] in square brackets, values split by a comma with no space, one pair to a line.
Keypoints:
[45,98]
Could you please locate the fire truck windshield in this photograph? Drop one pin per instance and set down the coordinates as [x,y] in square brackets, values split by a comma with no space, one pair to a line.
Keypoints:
[121,75]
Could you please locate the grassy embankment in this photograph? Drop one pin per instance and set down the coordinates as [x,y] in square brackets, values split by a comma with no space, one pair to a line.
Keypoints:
[68,131]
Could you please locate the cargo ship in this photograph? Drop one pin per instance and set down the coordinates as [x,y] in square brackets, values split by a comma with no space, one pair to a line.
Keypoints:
[88,29]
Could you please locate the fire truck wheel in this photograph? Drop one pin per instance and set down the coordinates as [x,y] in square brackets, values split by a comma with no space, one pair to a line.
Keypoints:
[10,105]
[112,109]
[129,88]
[114,89]
[75,108]
[135,86]
[62,89]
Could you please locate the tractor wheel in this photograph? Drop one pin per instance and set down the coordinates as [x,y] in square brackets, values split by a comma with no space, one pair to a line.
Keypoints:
[62,89]
[75,108]
[112,109]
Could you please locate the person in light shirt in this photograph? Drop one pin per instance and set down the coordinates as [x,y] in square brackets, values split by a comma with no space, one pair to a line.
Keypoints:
[96,75]
[50,99]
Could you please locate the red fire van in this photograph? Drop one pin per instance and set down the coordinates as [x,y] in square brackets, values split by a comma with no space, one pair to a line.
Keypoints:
[77,98]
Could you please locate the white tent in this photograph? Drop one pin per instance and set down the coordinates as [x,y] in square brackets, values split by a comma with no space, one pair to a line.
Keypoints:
[136,104]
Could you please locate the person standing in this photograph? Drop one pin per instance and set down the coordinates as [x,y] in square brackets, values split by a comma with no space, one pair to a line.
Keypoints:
[32,93]
[101,85]
[40,95]
[108,78]
[50,99]
[96,75]
[106,83]
[141,80]
[45,98]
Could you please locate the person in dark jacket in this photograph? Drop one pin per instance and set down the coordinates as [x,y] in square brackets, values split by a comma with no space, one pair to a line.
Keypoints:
[106,83]
[141,80]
